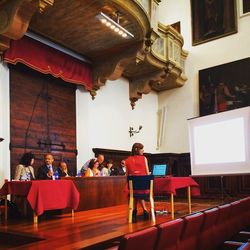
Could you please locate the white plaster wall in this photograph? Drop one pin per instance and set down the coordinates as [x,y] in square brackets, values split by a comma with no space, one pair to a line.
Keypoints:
[105,121]
[4,124]
[183,103]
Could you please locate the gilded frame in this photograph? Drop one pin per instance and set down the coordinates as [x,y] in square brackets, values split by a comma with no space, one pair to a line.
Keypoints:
[224,87]
[212,19]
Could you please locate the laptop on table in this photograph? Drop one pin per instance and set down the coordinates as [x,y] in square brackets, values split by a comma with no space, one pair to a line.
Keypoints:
[159,170]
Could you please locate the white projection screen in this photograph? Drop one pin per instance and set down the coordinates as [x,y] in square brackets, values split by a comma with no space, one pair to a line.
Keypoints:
[220,143]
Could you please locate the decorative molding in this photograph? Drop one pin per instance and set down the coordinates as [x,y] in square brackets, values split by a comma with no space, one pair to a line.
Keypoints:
[43,4]
[143,85]
[113,68]
[158,68]
[152,60]
[15,16]
[140,18]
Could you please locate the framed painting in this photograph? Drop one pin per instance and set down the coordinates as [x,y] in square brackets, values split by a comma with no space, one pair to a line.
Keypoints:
[212,19]
[244,7]
[224,87]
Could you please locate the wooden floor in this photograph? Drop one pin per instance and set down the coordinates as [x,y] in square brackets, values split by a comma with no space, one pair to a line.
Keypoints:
[86,230]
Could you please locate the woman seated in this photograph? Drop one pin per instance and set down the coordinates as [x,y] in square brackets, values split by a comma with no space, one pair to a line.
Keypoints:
[24,170]
[92,169]
[108,169]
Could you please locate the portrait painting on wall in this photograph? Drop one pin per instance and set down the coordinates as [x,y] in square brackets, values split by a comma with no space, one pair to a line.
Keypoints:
[224,87]
[212,19]
[244,7]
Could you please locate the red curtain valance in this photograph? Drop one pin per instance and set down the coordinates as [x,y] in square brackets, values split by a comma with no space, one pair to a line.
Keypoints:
[47,60]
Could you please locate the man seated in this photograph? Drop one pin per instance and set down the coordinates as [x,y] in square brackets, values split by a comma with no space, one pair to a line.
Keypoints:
[48,171]
[63,169]
[121,170]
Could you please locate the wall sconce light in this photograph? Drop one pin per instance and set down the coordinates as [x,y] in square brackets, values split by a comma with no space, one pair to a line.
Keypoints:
[132,131]
[114,25]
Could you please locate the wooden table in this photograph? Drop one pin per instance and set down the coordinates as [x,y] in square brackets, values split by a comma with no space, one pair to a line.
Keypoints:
[44,195]
[100,191]
[169,185]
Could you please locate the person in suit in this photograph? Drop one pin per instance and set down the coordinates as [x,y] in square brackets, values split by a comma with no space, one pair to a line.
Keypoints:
[47,171]
[63,169]
[121,170]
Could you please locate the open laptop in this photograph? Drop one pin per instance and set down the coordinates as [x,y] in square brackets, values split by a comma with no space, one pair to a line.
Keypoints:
[159,170]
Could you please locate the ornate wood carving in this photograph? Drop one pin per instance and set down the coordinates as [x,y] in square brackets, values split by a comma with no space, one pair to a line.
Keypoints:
[152,60]
[142,85]
[161,67]
[112,68]
[15,16]
[45,3]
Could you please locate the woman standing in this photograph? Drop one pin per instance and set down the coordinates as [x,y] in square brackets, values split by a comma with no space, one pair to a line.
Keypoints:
[24,170]
[137,164]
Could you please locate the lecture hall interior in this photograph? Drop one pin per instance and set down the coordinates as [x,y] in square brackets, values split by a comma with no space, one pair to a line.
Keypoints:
[85,78]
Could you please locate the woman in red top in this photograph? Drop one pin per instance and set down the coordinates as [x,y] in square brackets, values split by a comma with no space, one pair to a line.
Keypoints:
[137,164]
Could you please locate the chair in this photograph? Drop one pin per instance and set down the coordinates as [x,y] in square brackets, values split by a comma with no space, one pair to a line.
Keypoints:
[245,246]
[245,217]
[236,224]
[221,228]
[169,234]
[236,245]
[4,206]
[239,218]
[190,233]
[137,184]
[207,234]
[144,239]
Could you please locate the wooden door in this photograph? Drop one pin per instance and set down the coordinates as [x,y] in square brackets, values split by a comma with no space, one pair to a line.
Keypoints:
[42,117]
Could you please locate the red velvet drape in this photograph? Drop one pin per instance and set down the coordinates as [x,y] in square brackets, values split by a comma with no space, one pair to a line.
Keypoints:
[47,60]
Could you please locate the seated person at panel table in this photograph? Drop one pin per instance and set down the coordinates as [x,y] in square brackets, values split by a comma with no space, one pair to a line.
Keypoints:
[99,158]
[63,169]
[108,170]
[24,170]
[92,169]
[137,164]
[121,170]
[47,171]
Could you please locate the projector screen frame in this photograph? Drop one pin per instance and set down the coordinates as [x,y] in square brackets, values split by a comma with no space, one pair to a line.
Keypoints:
[220,169]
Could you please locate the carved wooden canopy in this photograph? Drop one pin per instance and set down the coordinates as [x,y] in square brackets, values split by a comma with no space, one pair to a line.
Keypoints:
[152,60]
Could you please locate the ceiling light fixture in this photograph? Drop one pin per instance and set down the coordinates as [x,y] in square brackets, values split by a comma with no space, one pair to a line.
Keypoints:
[115,26]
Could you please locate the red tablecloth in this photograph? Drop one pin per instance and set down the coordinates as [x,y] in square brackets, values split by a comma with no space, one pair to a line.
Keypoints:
[168,185]
[44,194]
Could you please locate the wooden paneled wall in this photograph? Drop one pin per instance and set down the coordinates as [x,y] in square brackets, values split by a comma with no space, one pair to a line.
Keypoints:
[42,117]
[98,192]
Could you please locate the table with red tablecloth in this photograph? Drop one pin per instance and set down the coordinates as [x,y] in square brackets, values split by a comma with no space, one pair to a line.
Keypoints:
[44,195]
[169,185]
